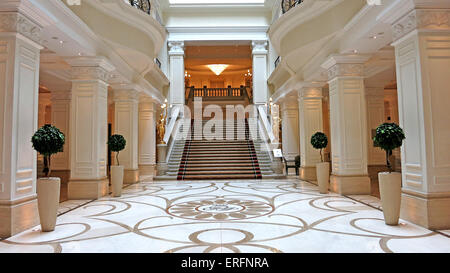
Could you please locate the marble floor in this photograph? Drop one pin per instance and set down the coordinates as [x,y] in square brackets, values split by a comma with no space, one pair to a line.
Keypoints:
[230,216]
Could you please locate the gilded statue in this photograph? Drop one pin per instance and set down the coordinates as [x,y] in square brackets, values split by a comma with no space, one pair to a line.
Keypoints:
[161,128]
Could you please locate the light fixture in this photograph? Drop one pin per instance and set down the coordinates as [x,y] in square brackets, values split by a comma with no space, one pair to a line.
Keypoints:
[217,68]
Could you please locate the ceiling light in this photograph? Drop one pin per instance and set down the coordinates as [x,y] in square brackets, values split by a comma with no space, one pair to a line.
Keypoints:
[217,68]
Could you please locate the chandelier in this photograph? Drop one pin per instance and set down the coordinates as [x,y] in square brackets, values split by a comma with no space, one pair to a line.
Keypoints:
[217,68]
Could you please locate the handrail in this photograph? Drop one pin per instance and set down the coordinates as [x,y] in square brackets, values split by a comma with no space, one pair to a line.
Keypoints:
[277,61]
[173,118]
[143,5]
[286,5]
[267,126]
[218,92]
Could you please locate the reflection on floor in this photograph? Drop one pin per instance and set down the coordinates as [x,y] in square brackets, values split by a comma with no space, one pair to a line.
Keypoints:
[227,216]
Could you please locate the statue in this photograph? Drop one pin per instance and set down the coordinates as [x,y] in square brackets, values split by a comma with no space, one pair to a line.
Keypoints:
[161,128]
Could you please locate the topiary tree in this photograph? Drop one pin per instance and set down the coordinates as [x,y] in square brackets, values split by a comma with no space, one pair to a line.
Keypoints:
[48,140]
[319,141]
[116,144]
[389,136]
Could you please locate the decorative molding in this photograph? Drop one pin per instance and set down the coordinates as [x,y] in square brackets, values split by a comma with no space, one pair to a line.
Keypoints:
[16,22]
[259,47]
[176,48]
[422,20]
[345,65]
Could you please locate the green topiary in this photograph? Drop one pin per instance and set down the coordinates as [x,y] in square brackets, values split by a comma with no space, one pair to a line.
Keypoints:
[116,144]
[388,137]
[48,140]
[319,141]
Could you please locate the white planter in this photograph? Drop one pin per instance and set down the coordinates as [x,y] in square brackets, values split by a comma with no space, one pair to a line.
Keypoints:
[48,190]
[323,176]
[390,192]
[117,180]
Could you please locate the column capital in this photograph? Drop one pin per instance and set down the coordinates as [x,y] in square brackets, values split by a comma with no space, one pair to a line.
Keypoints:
[422,19]
[90,68]
[61,95]
[310,92]
[259,47]
[17,22]
[345,65]
[289,103]
[120,95]
[146,99]
[176,48]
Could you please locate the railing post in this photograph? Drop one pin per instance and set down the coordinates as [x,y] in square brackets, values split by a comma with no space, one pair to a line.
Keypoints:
[205,90]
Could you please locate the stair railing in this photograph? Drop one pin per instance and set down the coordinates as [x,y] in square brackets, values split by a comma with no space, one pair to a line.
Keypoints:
[266,131]
[172,130]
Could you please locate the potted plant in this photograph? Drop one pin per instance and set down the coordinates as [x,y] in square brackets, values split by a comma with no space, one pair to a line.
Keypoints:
[48,140]
[388,137]
[116,144]
[320,141]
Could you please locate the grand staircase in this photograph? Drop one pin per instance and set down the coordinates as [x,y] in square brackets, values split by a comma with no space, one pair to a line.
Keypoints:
[229,155]
[202,157]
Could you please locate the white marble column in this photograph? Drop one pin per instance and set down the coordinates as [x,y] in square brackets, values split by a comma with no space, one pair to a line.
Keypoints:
[126,100]
[348,121]
[260,90]
[375,117]
[88,128]
[311,122]
[422,51]
[289,123]
[176,73]
[147,136]
[61,103]
[19,85]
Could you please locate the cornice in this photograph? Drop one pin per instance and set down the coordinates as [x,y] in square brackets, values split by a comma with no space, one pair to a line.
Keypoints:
[18,23]
[422,19]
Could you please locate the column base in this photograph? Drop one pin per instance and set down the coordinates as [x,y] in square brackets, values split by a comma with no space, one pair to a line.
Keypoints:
[162,168]
[130,176]
[277,166]
[350,184]
[87,189]
[147,169]
[17,216]
[308,174]
[430,211]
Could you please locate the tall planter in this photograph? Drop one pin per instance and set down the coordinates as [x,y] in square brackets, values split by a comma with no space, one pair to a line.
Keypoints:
[117,143]
[48,140]
[323,176]
[48,191]
[390,192]
[320,141]
[389,136]
[117,180]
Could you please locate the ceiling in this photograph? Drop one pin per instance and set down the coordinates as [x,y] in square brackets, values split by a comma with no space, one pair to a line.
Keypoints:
[238,57]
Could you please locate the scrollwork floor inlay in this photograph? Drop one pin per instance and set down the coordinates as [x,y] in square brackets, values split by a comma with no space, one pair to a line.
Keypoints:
[231,216]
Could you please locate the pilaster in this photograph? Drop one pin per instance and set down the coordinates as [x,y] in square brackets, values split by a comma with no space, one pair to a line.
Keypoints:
[375,117]
[348,124]
[19,89]
[422,50]
[260,90]
[88,128]
[126,100]
[147,136]
[176,73]
[311,121]
[61,105]
[289,121]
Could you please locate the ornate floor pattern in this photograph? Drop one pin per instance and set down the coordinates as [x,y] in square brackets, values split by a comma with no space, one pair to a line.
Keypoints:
[239,216]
